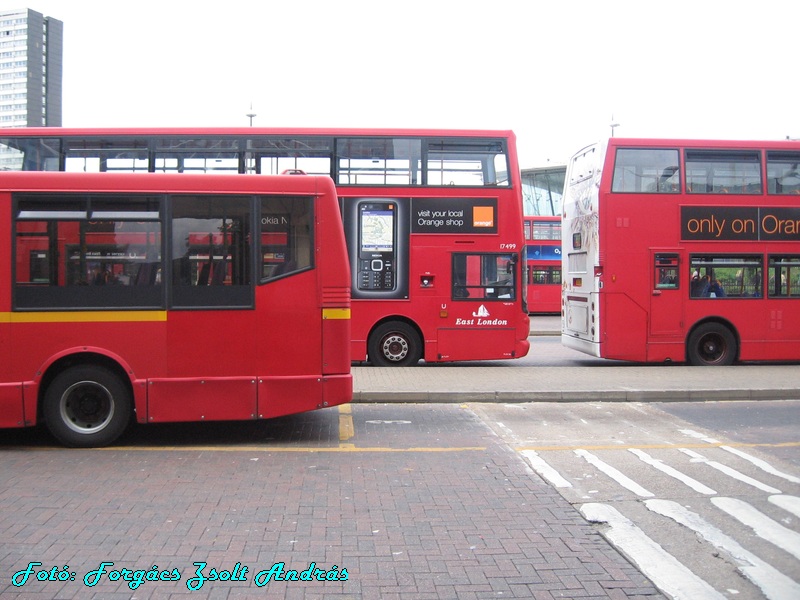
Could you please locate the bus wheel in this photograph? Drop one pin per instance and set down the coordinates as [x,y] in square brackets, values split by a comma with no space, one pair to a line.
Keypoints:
[711,344]
[87,406]
[394,344]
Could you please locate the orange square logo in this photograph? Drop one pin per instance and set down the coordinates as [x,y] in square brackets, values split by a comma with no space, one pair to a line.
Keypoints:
[482,216]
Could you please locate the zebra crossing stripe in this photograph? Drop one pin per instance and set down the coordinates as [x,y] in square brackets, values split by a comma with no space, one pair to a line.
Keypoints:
[774,584]
[761,524]
[788,503]
[616,475]
[682,477]
[545,470]
[730,472]
[663,569]
[761,464]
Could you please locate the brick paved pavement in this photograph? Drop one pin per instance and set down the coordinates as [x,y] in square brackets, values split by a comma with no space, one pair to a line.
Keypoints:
[423,502]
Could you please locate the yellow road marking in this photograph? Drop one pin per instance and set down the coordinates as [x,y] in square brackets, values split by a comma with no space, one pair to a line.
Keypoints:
[346,430]
[307,449]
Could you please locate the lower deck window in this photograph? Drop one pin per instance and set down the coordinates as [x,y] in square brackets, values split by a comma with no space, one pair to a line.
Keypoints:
[484,276]
[726,276]
[78,252]
[783,277]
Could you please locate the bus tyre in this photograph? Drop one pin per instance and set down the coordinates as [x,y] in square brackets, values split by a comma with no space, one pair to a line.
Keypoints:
[711,344]
[87,406]
[394,344]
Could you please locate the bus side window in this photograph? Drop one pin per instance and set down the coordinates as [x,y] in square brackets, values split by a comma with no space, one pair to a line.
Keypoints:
[666,271]
[286,236]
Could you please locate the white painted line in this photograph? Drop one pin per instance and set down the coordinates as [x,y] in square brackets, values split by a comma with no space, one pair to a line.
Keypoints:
[682,477]
[761,464]
[730,472]
[774,584]
[545,470]
[699,436]
[787,503]
[616,475]
[663,569]
[761,524]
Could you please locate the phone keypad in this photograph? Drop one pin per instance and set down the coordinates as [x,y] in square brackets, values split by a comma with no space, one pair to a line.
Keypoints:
[376,275]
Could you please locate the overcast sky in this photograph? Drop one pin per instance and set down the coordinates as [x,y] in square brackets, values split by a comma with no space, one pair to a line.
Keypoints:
[553,71]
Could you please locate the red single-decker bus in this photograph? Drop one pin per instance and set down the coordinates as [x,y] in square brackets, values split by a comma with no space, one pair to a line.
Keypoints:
[169,298]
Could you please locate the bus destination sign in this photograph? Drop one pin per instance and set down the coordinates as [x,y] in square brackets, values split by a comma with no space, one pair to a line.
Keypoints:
[740,223]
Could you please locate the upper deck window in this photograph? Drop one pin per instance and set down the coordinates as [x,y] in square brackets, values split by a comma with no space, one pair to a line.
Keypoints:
[783,174]
[723,171]
[414,161]
[379,161]
[646,171]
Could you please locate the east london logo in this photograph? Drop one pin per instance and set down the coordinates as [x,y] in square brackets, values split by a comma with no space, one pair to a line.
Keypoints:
[481,317]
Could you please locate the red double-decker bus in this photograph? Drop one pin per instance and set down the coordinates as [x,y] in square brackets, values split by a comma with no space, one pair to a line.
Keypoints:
[432,219]
[543,239]
[169,298]
[678,250]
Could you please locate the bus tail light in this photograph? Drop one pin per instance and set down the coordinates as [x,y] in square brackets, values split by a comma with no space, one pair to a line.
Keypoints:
[598,270]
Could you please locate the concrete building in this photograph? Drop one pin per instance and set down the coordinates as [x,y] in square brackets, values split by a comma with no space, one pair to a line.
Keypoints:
[31,54]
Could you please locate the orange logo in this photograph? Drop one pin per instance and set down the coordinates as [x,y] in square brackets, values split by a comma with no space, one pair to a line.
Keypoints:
[482,216]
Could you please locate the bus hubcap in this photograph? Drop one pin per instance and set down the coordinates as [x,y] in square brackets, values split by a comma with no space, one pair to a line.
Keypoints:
[395,347]
[86,407]
[713,349]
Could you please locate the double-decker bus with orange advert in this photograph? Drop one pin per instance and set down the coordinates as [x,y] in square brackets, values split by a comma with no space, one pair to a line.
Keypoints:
[683,250]
[432,219]
[169,298]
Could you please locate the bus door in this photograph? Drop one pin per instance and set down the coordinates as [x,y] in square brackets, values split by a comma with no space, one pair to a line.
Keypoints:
[666,300]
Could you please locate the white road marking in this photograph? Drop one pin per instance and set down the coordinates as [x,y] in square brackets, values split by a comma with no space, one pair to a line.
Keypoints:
[788,503]
[761,524]
[774,584]
[545,470]
[730,472]
[616,475]
[761,464]
[663,569]
[682,477]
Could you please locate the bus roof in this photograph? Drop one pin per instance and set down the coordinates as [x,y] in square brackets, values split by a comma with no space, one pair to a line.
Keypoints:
[42,181]
[698,143]
[251,131]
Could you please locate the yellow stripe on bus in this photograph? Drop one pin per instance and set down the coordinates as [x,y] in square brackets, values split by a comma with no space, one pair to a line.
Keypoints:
[335,313]
[92,316]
